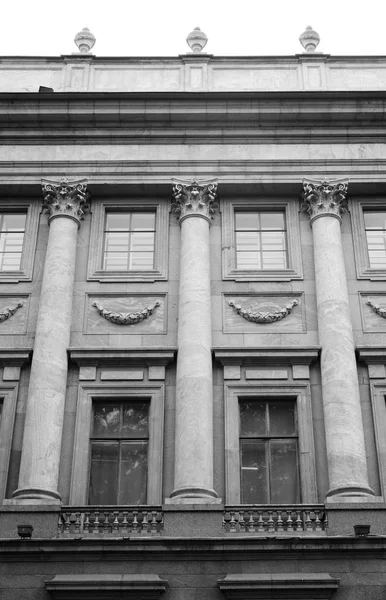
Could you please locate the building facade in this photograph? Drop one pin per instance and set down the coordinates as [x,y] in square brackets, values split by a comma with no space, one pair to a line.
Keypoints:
[193,327]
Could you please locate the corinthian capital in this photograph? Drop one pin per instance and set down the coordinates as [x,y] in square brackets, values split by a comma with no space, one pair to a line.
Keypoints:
[65,198]
[194,198]
[324,197]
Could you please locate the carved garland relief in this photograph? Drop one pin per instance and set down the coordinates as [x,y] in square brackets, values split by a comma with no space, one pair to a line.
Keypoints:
[7,312]
[125,318]
[264,317]
[377,309]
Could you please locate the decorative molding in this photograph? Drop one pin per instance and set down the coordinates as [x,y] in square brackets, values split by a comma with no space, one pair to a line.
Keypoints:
[278,585]
[125,318]
[8,312]
[324,198]
[66,198]
[264,317]
[111,587]
[194,198]
[376,308]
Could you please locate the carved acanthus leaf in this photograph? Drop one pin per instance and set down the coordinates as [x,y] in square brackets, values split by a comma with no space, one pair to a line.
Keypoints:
[67,198]
[7,312]
[125,318]
[377,309]
[324,197]
[194,198]
[264,317]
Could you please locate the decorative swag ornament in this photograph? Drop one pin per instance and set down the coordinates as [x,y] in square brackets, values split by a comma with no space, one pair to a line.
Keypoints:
[377,309]
[7,312]
[125,318]
[264,317]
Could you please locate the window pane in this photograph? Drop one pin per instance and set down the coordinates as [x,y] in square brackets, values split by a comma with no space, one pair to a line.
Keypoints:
[375,220]
[247,241]
[117,220]
[247,220]
[272,220]
[10,262]
[254,488]
[143,221]
[248,260]
[133,473]
[274,260]
[136,420]
[142,261]
[103,475]
[273,240]
[13,222]
[284,472]
[282,418]
[252,418]
[107,419]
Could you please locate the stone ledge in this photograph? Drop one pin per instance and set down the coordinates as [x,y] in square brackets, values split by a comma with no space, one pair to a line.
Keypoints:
[280,585]
[147,587]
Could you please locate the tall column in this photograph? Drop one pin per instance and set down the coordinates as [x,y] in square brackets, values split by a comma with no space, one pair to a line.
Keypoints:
[39,469]
[194,204]
[346,455]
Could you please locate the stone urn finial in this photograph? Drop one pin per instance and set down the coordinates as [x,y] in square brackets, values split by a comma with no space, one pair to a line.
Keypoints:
[85,40]
[197,40]
[309,39]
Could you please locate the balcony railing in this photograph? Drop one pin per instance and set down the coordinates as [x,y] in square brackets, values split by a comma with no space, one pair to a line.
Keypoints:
[111,521]
[275,519]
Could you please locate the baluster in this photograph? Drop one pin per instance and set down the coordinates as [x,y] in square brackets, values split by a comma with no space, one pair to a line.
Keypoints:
[77,523]
[260,522]
[144,522]
[271,523]
[299,522]
[115,527]
[241,521]
[318,525]
[96,522]
[232,523]
[251,522]
[124,524]
[153,525]
[325,524]
[86,524]
[106,527]
[60,524]
[308,522]
[279,524]
[67,522]
[289,521]
[134,525]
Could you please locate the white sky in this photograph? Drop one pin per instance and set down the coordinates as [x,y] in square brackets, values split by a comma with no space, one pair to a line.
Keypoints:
[159,28]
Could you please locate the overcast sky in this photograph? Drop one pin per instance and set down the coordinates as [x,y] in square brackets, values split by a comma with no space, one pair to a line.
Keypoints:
[159,27]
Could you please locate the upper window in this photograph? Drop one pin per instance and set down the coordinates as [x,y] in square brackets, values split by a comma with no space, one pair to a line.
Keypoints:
[119,449]
[375,226]
[269,472]
[12,229]
[17,250]
[255,242]
[128,242]
[260,240]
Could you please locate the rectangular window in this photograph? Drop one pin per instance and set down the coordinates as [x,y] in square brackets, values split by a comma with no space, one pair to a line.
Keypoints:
[260,240]
[129,241]
[375,226]
[269,470]
[12,229]
[119,452]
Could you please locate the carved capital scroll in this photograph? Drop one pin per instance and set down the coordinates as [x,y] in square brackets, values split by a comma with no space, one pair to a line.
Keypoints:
[7,312]
[264,317]
[377,309]
[194,198]
[66,198]
[324,198]
[125,318]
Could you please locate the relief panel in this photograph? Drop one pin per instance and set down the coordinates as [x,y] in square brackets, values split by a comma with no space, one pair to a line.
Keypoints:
[125,314]
[373,309]
[13,314]
[263,313]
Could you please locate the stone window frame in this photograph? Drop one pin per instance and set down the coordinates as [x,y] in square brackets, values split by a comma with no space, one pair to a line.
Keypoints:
[378,402]
[357,206]
[291,211]
[99,208]
[81,458]
[32,210]
[8,396]
[299,392]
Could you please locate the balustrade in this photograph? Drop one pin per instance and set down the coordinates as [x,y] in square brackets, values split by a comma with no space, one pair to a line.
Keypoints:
[269,519]
[113,521]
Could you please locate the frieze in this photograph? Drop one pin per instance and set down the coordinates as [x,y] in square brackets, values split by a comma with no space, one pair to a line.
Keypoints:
[6,313]
[263,317]
[125,318]
[65,198]
[194,198]
[324,197]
